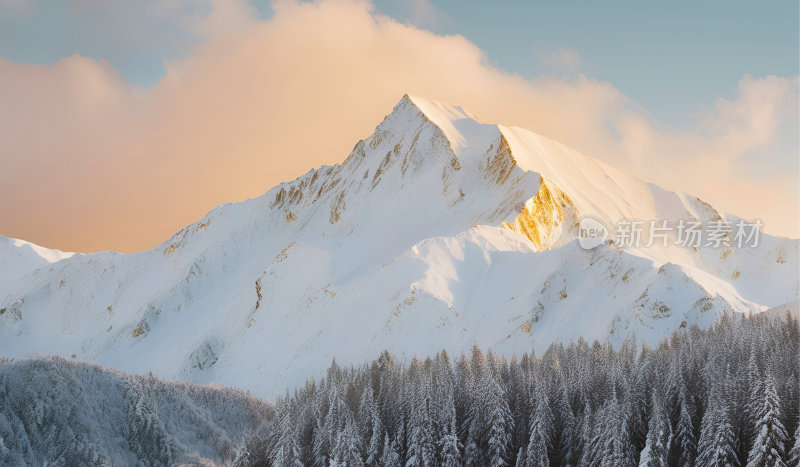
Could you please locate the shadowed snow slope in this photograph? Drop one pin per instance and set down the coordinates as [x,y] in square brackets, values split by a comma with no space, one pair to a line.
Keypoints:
[438,231]
[54,412]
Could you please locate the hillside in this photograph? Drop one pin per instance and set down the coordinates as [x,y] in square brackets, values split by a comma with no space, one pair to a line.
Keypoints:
[55,412]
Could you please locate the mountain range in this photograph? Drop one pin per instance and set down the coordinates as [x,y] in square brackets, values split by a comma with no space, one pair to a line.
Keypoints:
[438,231]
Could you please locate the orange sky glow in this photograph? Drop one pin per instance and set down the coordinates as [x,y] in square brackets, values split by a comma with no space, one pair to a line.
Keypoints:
[91,162]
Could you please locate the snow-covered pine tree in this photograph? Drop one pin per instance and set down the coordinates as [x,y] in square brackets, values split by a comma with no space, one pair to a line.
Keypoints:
[388,397]
[540,442]
[793,458]
[518,404]
[590,444]
[449,445]
[366,407]
[320,448]
[399,440]
[146,433]
[536,453]
[476,425]
[750,392]
[450,452]
[286,449]
[478,362]
[754,399]
[612,428]
[639,397]
[389,457]
[338,412]
[659,436]
[347,450]
[685,438]
[566,445]
[768,446]
[463,393]
[374,446]
[442,396]
[421,449]
[717,444]
[500,421]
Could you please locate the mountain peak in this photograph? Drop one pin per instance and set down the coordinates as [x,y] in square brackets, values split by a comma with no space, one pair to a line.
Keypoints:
[443,115]
[437,226]
[436,111]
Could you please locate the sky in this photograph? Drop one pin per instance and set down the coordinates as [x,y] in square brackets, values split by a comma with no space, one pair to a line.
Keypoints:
[121,122]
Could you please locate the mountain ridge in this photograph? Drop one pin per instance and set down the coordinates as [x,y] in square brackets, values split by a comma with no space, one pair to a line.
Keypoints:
[437,231]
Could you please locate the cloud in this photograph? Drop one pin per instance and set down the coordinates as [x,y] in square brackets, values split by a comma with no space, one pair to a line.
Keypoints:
[423,14]
[561,60]
[226,17]
[741,156]
[93,162]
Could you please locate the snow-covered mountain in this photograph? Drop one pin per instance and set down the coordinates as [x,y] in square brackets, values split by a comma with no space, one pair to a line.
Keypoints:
[437,231]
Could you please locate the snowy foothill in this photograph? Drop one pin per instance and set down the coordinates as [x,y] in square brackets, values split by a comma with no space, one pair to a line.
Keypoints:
[57,412]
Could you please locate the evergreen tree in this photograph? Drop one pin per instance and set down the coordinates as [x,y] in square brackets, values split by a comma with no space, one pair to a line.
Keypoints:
[659,436]
[567,445]
[540,442]
[450,447]
[320,443]
[638,397]
[685,438]
[421,451]
[794,454]
[500,421]
[752,399]
[374,447]
[390,457]
[536,454]
[364,414]
[286,451]
[615,444]
[768,447]
[717,444]
[347,450]
[590,444]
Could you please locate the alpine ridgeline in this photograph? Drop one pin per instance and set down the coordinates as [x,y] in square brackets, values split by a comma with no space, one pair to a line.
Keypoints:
[438,231]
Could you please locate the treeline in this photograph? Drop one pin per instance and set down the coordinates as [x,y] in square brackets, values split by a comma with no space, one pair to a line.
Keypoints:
[728,396]
[60,413]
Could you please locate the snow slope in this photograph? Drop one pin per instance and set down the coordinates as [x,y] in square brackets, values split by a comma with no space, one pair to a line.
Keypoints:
[437,231]
[55,412]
